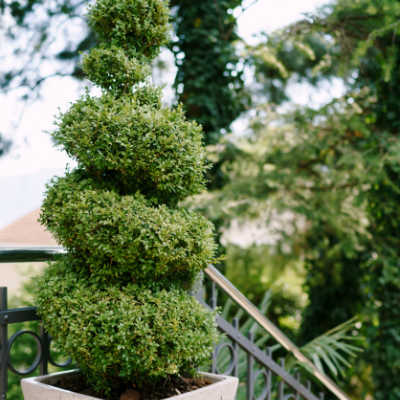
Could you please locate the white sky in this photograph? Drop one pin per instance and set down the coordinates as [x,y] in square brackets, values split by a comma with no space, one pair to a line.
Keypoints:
[269,15]
[27,126]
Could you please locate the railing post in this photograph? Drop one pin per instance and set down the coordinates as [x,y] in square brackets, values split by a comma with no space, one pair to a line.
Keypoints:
[214,295]
[250,372]
[282,383]
[45,351]
[3,346]
[236,350]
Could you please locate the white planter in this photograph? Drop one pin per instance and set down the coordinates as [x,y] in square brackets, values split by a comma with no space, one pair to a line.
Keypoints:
[40,388]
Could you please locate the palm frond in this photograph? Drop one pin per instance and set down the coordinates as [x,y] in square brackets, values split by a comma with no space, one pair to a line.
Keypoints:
[332,350]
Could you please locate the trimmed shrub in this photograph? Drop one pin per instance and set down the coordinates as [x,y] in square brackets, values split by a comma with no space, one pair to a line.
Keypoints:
[140,25]
[151,149]
[113,70]
[126,238]
[124,335]
[118,303]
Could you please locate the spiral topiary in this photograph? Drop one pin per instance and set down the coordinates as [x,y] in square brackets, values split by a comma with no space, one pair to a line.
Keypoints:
[118,302]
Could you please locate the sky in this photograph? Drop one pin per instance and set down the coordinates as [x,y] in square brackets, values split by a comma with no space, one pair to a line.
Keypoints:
[33,152]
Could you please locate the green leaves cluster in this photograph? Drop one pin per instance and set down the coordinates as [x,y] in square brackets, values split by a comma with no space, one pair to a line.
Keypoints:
[111,69]
[118,302]
[139,26]
[125,239]
[150,148]
[283,58]
[300,177]
[209,80]
[125,334]
[335,169]
[365,34]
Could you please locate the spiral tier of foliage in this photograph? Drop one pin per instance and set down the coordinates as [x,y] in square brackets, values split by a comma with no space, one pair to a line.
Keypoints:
[118,302]
[124,335]
[145,147]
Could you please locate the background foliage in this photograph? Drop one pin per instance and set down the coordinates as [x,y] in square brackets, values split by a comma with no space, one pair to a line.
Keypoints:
[334,168]
[205,52]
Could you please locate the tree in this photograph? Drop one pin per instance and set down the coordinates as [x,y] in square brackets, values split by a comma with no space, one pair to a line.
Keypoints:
[31,30]
[378,62]
[40,40]
[205,53]
[366,34]
[209,81]
[340,168]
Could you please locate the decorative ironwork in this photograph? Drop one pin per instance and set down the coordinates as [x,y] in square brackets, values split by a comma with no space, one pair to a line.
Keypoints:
[218,286]
[38,358]
[277,380]
[42,340]
[262,378]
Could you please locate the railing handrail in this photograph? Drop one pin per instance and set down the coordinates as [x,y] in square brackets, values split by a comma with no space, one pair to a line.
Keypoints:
[273,330]
[9,254]
[262,357]
[39,253]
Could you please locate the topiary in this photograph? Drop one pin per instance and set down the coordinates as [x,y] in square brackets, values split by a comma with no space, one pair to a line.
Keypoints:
[118,303]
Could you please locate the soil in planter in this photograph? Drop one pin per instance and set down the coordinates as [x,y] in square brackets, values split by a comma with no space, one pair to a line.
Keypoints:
[173,386]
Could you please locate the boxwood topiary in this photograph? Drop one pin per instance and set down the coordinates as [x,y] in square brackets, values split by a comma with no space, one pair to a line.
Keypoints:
[147,147]
[139,25]
[125,334]
[126,238]
[118,302]
[112,69]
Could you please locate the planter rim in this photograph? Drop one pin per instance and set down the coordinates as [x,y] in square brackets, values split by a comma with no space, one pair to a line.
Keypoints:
[42,381]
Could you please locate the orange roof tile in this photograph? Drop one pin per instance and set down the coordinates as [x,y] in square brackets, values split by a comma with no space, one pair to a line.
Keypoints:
[26,231]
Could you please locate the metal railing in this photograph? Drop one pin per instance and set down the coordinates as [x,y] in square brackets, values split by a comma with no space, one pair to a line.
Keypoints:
[43,342]
[220,282]
[261,376]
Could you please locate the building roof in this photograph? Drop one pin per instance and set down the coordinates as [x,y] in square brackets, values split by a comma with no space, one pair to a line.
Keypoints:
[26,231]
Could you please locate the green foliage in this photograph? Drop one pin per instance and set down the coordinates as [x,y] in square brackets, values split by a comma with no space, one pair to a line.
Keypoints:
[366,33]
[332,352]
[317,172]
[340,171]
[334,349]
[384,280]
[330,274]
[139,26]
[300,175]
[117,302]
[256,270]
[124,335]
[282,59]
[111,69]
[149,148]
[124,239]
[209,81]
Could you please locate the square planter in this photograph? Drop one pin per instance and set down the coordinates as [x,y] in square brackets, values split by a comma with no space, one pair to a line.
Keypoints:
[221,387]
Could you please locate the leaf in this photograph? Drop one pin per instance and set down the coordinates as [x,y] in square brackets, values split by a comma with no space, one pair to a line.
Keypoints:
[329,349]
